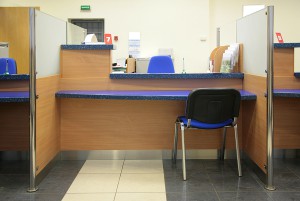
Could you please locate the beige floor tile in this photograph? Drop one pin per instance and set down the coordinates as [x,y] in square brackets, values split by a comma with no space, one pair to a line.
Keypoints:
[140,197]
[146,183]
[94,183]
[143,166]
[89,197]
[102,166]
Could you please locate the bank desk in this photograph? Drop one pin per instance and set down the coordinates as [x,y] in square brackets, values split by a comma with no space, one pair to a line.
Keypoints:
[14,112]
[128,120]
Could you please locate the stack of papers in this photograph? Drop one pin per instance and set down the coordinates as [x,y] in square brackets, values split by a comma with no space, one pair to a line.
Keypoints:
[119,69]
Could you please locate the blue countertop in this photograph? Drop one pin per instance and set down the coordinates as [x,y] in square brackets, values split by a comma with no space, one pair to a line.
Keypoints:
[15,77]
[177,76]
[286,45]
[138,95]
[296,74]
[88,47]
[289,93]
[14,96]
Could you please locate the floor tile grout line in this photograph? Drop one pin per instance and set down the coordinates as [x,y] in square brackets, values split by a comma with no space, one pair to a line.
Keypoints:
[119,180]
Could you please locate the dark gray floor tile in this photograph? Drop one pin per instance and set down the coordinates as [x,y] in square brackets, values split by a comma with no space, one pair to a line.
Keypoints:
[194,196]
[285,196]
[31,197]
[56,183]
[231,182]
[67,167]
[195,182]
[244,196]
[286,182]
[222,166]
[281,166]
[191,164]
[16,183]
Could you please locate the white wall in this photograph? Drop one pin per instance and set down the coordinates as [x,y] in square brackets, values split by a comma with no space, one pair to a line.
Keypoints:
[176,24]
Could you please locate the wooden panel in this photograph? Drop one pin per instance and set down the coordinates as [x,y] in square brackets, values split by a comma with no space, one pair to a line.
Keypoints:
[146,84]
[218,58]
[88,124]
[85,63]
[283,61]
[14,130]
[254,120]
[48,121]
[286,82]
[14,28]
[286,123]
[14,85]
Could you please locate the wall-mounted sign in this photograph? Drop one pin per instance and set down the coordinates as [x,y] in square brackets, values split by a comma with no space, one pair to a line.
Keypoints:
[107,39]
[85,7]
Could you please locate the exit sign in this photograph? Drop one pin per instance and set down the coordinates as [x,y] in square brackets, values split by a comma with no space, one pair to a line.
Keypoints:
[85,7]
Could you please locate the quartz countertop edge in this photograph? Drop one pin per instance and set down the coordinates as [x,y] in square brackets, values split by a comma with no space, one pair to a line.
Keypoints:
[14,96]
[286,45]
[88,47]
[297,74]
[288,93]
[138,95]
[15,77]
[177,76]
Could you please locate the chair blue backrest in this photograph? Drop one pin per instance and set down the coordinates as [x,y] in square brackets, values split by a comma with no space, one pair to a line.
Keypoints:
[161,64]
[12,66]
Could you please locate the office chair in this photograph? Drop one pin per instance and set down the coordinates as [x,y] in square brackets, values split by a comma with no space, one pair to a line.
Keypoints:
[12,66]
[161,64]
[209,109]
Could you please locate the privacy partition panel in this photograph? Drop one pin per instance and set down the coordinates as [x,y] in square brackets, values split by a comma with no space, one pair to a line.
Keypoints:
[75,34]
[50,34]
[252,33]
[255,32]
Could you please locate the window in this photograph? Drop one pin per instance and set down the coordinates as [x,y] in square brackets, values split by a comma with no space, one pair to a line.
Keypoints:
[93,26]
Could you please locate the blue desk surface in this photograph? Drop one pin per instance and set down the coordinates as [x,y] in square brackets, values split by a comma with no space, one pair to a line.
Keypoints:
[138,95]
[14,96]
[286,45]
[289,93]
[15,77]
[88,47]
[297,74]
[177,76]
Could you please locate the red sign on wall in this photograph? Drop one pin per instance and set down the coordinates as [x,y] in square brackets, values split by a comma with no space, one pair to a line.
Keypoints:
[107,39]
[279,37]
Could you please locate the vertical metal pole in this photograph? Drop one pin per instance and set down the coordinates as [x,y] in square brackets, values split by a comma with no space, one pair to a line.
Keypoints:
[270,30]
[32,88]
[218,36]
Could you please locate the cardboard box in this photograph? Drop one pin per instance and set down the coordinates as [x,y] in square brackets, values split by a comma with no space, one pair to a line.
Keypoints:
[130,65]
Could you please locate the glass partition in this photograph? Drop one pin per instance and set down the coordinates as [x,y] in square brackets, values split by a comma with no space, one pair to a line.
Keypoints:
[48,51]
[75,34]
[50,34]
[252,33]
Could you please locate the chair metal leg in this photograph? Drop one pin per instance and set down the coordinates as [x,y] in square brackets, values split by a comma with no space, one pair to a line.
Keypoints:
[183,152]
[222,154]
[174,151]
[237,150]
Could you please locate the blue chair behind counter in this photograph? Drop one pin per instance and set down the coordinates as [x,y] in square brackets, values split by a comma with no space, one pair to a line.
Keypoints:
[12,66]
[209,109]
[161,64]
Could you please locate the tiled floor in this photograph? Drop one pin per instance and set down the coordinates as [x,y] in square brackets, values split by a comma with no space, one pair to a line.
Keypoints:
[149,180]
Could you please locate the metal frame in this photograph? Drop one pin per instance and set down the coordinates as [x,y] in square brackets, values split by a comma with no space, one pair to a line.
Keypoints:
[270,127]
[32,88]
[182,128]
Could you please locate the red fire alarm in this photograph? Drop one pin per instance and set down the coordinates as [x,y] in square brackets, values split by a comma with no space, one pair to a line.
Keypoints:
[116,38]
